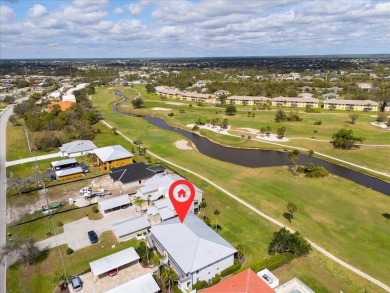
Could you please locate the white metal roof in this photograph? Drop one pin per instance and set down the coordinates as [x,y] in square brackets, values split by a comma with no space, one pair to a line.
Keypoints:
[166,213]
[70,171]
[111,153]
[351,102]
[295,99]
[78,146]
[192,244]
[131,225]
[294,285]
[113,261]
[143,284]
[63,162]
[114,202]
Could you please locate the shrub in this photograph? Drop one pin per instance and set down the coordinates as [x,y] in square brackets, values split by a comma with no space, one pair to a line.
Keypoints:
[195,128]
[273,262]
[319,122]
[230,270]
[312,110]
[200,285]
[60,224]
[171,114]
[182,111]
[95,209]
[69,251]
[216,279]
[316,172]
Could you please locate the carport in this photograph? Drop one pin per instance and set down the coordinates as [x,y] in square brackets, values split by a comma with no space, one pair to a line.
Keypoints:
[114,261]
[115,203]
[130,228]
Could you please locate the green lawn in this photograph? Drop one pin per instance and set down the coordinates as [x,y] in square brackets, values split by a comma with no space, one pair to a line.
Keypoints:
[37,278]
[355,234]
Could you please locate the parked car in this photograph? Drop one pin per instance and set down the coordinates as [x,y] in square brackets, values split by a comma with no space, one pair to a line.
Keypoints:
[76,282]
[113,272]
[93,236]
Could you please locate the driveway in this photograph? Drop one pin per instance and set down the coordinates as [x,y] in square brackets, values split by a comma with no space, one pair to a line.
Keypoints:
[76,233]
[32,159]
[106,283]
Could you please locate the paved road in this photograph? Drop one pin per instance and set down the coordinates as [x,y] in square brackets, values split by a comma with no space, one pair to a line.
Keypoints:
[3,186]
[276,222]
[32,159]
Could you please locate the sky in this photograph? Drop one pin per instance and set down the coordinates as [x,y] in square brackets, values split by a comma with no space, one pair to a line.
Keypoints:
[192,28]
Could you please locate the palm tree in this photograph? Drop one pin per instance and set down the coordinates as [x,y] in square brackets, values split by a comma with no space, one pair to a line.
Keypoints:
[169,276]
[216,214]
[138,201]
[203,205]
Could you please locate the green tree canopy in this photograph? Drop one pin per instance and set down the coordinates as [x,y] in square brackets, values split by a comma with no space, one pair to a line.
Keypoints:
[230,110]
[344,139]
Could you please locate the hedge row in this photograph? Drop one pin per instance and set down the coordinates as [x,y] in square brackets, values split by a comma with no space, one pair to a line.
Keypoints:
[273,262]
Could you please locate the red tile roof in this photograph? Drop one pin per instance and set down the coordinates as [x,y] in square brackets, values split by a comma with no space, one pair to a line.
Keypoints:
[244,282]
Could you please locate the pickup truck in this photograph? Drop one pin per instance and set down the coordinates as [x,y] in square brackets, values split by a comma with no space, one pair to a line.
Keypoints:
[97,192]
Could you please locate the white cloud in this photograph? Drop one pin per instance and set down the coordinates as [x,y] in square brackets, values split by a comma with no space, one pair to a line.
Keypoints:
[37,11]
[6,13]
[118,11]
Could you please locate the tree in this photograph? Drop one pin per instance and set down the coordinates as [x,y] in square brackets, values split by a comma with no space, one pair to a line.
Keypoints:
[268,130]
[280,116]
[138,103]
[216,214]
[169,276]
[203,205]
[150,88]
[13,120]
[225,123]
[291,208]
[294,157]
[315,131]
[230,110]
[281,131]
[26,249]
[311,154]
[353,117]
[382,117]
[263,130]
[240,250]
[344,139]
[114,130]
[283,241]
[138,201]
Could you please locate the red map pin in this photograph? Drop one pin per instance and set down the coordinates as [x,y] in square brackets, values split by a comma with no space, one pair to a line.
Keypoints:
[181,197]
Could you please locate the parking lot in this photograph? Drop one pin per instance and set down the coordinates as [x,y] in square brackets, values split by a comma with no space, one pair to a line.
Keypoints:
[106,282]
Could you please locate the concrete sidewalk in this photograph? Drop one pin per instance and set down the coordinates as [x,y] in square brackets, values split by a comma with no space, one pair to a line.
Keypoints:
[32,159]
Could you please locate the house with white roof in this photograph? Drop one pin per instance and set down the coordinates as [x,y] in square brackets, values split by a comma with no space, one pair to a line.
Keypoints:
[77,148]
[192,249]
[130,228]
[155,190]
[112,156]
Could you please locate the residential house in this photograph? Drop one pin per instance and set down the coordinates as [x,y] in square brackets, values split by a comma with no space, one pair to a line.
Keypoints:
[364,86]
[131,175]
[295,102]
[222,92]
[157,188]
[245,282]
[356,105]
[192,249]
[247,100]
[77,148]
[173,93]
[328,96]
[112,156]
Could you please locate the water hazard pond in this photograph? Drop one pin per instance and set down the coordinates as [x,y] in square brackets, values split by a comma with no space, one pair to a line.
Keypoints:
[262,158]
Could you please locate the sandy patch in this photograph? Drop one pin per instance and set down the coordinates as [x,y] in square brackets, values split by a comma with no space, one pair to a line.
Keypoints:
[381,125]
[161,109]
[175,103]
[271,137]
[183,145]
[250,130]
[212,128]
